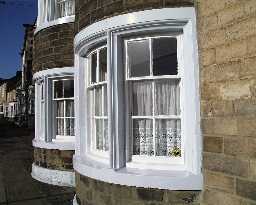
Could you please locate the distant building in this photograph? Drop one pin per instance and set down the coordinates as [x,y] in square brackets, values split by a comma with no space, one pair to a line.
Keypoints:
[25,92]
[8,96]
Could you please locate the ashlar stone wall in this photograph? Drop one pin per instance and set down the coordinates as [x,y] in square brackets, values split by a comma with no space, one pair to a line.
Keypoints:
[53,47]
[54,159]
[227,45]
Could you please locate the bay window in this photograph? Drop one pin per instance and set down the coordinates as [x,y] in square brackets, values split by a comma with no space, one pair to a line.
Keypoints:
[137,104]
[54,109]
[51,12]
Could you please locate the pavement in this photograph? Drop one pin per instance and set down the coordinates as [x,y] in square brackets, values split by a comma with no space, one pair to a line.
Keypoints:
[17,187]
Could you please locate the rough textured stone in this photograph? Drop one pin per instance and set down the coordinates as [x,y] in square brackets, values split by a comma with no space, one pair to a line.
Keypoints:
[54,159]
[246,189]
[53,47]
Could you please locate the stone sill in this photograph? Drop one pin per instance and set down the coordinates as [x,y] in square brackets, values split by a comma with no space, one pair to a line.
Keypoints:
[56,144]
[171,180]
[54,177]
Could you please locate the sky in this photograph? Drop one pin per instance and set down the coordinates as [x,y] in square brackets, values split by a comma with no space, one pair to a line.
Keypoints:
[13,14]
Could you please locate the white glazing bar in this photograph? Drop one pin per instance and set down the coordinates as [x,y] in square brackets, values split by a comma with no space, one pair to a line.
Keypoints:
[103,124]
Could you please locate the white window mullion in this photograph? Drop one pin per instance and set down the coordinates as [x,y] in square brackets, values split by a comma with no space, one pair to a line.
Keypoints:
[103,122]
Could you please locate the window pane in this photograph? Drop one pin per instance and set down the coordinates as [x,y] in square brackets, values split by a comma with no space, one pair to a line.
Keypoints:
[60,108]
[168,138]
[65,8]
[106,145]
[58,89]
[98,101]
[165,56]
[70,127]
[99,134]
[142,98]
[103,64]
[70,111]
[93,67]
[167,99]
[60,126]
[138,58]
[143,137]
[68,88]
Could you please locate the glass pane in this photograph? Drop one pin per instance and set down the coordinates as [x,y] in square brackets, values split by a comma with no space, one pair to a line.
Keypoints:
[167,97]
[103,64]
[98,101]
[142,98]
[106,144]
[99,134]
[105,100]
[68,88]
[70,111]
[93,67]
[143,137]
[58,89]
[60,109]
[70,127]
[165,56]
[168,138]
[60,127]
[65,8]
[138,58]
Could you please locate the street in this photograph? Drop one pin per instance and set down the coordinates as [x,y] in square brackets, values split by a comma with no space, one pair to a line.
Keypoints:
[17,187]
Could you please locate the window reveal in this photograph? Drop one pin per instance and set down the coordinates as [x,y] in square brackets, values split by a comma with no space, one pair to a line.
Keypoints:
[154,96]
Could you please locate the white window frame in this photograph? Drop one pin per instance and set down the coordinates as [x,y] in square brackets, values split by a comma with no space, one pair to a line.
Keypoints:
[47,138]
[186,176]
[42,22]
[65,101]
[101,155]
[155,162]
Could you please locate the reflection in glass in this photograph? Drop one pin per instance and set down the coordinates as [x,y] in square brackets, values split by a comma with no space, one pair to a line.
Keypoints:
[138,58]
[165,56]
[68,88]
[58,89]
[93,67]
[103,64]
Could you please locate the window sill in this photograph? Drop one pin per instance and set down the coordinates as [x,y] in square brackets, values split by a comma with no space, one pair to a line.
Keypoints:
[172,180]
[59,144]
[66,19]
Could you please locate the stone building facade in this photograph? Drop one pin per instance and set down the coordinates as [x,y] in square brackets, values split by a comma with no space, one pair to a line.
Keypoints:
[205,155]
[25,93]
[226,47]
[53,73]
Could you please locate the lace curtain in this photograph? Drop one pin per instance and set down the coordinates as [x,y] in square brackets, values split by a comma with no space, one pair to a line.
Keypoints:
[154,133]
